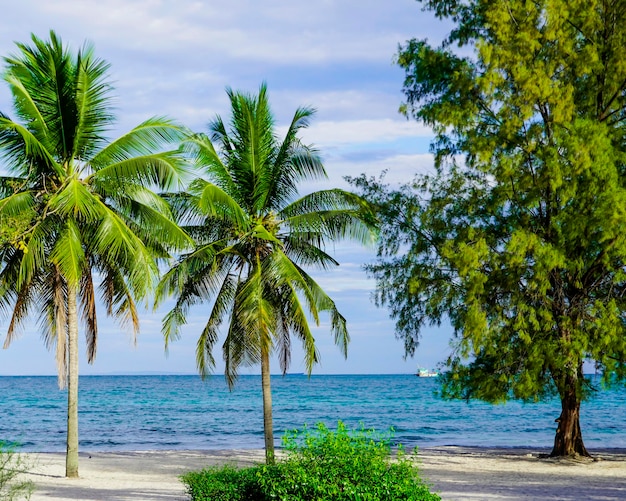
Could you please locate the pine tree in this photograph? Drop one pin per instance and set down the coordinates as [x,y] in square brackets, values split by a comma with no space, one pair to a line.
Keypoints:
[519,239]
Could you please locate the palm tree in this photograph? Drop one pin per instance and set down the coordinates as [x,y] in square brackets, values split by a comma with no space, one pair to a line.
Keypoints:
[80,207]
[253,240]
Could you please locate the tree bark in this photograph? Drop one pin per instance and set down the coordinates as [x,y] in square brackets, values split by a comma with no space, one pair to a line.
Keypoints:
[71,457]
[569,439]
[268,426]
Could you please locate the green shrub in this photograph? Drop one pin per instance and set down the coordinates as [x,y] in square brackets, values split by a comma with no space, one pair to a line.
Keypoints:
[320,465]
[225,483]
[12,465]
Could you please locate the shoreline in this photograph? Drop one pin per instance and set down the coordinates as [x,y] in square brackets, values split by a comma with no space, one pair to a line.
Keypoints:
[456,473]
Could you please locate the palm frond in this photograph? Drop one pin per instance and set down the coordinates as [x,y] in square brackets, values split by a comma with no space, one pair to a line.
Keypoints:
[88,310]
[43,71]
[209,336]
[300,120]
[283,343]
[282,272]
[182,206]
[233,350]
[199,272]
[327,200]
[288,274]
[53,319]
[18,143]
[68,254]
[27,103]
[200,147]
[18,204]
[75,200]
[331,226]
[253,311]
[9,272]
[242,346]
[151,218]
[332,215]
[249,148]
[294,320]
[23,302]
[323,301]
[59,312]
[304,164]
[294,162]
[116,243]
[195,278]
[165,169]
[304,249]
[215,202]
[93,115]
[48,73]
[148,138]
[34,257]
[118,297]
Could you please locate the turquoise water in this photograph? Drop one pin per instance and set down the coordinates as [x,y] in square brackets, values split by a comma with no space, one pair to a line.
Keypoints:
[183,412]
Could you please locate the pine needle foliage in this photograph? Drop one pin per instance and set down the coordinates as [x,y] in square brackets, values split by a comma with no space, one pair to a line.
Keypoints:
[12,468]
[519,238]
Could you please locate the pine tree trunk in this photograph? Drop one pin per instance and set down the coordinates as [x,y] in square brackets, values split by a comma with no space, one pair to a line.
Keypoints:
[569,439]
[71,458]
[268,426]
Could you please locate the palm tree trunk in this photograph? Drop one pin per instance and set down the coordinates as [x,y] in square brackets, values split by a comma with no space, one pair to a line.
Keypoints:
[268,426]
[71,458]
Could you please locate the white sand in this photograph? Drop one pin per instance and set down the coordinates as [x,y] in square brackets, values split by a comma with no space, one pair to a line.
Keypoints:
[456,473]
[459,473]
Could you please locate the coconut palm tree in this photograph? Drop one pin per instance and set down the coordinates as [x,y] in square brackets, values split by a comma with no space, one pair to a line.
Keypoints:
[254,238]
[80,207]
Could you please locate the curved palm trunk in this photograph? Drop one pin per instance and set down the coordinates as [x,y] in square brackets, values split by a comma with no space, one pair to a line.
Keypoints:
[569,439]
[268,426]
[71,458]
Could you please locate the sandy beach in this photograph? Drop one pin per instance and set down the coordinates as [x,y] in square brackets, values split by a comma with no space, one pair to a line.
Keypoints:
[456,473]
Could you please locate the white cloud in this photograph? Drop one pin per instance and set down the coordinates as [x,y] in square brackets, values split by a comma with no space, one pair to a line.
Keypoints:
[398,169]
[275,31]
[347,277]
[355,132]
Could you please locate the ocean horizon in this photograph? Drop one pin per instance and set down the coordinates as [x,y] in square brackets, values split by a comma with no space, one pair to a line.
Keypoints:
[134,412]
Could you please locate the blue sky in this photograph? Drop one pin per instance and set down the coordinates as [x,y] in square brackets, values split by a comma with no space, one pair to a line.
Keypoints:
[176,58]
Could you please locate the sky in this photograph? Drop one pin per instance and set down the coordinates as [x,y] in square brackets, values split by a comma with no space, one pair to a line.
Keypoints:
[176,59]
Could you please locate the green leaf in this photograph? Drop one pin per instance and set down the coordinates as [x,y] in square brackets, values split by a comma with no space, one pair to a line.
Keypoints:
[68,254]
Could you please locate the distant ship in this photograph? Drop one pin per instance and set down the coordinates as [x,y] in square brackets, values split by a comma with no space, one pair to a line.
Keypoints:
[426,373]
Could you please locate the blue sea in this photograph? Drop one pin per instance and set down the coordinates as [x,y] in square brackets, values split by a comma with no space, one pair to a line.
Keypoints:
[183,412]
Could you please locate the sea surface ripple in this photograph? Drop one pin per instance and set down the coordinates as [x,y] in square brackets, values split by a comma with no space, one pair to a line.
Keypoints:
[183,412]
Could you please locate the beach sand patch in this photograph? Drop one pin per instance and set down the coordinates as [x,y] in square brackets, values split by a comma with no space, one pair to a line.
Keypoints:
[456,473]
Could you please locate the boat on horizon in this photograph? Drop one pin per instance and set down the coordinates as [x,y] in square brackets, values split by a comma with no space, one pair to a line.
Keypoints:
[421,372]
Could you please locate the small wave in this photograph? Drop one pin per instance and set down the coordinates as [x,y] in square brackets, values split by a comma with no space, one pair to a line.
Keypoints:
[147,413]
